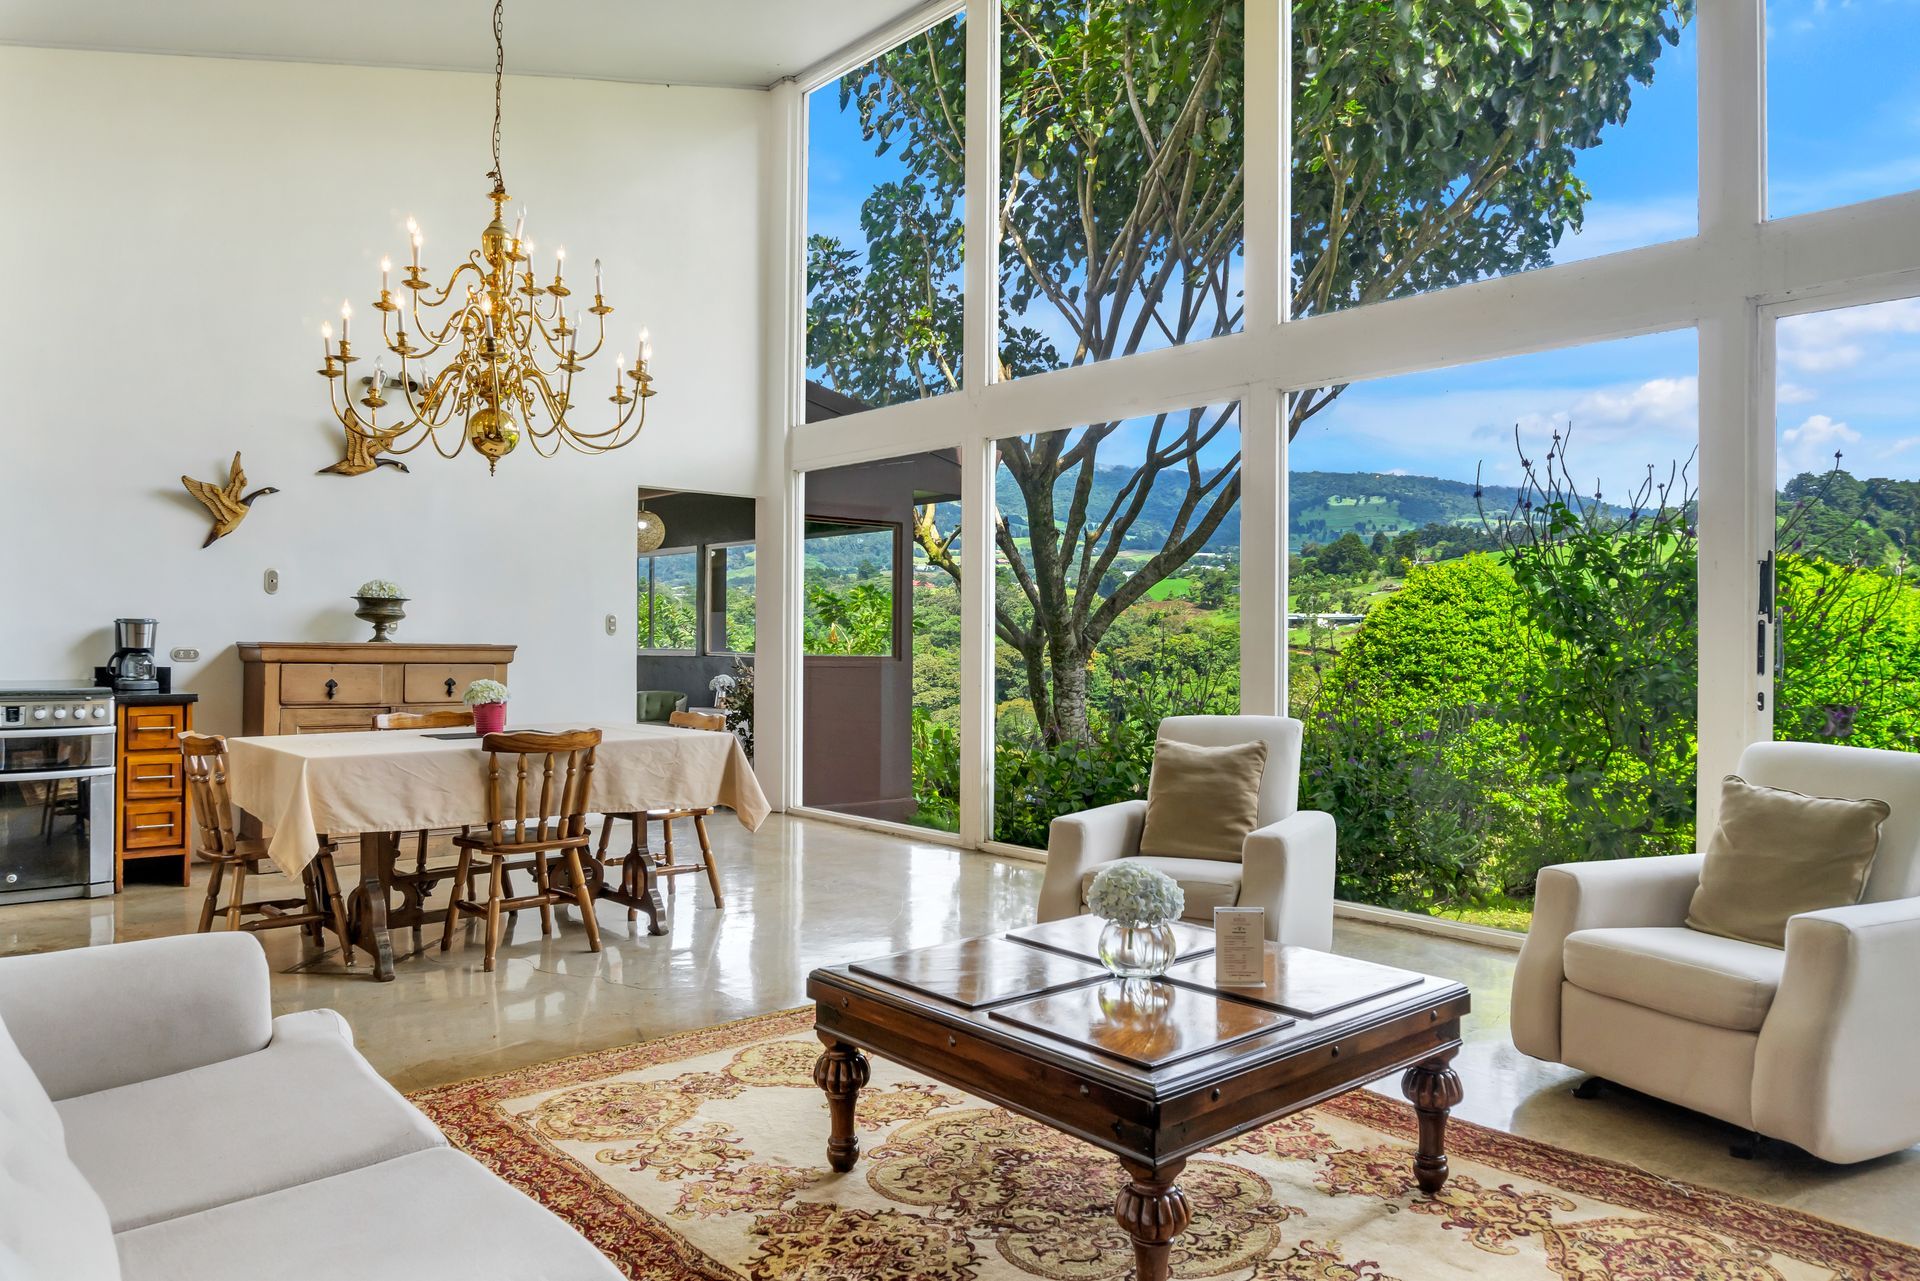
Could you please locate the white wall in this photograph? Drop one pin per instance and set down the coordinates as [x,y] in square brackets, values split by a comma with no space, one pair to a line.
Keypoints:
[175,230]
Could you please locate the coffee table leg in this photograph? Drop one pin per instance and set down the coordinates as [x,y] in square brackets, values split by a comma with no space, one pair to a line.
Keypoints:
[1433,1087]
[1153,1211]
[841,1072]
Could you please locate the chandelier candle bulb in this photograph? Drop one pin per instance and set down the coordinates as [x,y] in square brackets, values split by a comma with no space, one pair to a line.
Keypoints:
[346,315]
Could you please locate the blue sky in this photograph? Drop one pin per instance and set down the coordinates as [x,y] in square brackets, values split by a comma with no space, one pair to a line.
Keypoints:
[1844,125]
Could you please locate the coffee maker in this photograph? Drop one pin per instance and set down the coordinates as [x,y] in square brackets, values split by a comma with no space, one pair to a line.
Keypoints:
[132,666]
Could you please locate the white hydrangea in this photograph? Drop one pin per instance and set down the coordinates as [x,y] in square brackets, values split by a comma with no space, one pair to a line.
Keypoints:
[380,589]
[484,691]
[1133,894]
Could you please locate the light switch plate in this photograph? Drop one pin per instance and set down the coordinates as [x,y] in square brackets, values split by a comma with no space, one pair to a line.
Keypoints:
[184,655]
[271,581]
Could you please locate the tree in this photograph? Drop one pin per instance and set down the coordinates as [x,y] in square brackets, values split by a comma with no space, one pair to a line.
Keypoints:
[1346,557]
[1434,144]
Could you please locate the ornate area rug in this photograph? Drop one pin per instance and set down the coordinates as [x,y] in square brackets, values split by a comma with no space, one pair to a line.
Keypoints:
[704,1156]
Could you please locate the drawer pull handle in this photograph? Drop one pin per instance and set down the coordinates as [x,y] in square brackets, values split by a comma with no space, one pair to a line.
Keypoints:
[449,687]
[149,722]
[332,685]
[154,827]
[164,776]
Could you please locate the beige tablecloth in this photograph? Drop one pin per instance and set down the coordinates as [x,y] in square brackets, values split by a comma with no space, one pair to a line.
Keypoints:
[300,785]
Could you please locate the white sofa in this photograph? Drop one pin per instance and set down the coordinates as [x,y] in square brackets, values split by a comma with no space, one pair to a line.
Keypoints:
[1813,1044]
[157,1123]
[1285,864]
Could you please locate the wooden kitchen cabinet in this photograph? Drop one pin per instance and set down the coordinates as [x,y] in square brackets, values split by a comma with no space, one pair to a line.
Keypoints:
[151,819]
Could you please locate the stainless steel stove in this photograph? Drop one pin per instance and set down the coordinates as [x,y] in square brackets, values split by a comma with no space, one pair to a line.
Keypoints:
[56,790]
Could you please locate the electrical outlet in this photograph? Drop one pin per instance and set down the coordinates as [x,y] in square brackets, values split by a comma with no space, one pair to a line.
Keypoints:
[613,625]
[271,581]
[184,655]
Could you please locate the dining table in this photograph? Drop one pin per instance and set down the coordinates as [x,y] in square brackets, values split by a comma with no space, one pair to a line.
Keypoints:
[312,789]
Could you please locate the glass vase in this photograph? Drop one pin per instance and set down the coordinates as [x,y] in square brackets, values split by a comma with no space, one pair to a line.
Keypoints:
[1137,951]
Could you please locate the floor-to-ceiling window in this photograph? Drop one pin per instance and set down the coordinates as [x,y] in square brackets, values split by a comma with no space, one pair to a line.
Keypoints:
[1116,602]
[1464,229]
[1847,514]
[1492,620]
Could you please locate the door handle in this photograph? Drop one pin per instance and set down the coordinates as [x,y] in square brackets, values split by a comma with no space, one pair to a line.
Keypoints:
[449,687]
[332,685]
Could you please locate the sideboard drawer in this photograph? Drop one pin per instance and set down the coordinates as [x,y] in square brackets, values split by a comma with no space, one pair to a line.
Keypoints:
[152,825]
[327,720]
[151,774]
[153,729]
[338,683]
[444,682]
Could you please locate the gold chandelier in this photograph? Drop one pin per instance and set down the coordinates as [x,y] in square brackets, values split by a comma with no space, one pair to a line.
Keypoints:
[494,385]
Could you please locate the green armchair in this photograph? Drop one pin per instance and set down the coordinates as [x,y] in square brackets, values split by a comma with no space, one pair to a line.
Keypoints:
[657,704]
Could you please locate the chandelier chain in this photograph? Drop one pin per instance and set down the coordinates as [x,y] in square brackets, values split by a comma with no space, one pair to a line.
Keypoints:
[499,71]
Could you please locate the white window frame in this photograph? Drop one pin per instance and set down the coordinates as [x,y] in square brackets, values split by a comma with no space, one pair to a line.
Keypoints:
[706,611]
[699,594]
[1719,281]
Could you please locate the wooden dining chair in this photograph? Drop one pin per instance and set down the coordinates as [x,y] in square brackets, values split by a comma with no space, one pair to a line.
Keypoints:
[663,859]
[234,859]
[422,879]
[531,832]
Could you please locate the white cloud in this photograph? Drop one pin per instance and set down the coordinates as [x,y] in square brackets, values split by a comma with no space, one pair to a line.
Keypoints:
[1792,393]
[1811,445]
[1618,430]
[1824,341]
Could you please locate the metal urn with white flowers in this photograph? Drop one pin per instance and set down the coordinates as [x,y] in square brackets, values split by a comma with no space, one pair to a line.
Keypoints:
[383,604]
[1139,904]
[488,699]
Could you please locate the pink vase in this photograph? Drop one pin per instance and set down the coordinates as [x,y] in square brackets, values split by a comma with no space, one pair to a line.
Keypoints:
[489,718]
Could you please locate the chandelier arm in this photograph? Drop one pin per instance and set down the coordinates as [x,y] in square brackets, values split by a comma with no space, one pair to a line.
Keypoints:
[472,262]
[636,406]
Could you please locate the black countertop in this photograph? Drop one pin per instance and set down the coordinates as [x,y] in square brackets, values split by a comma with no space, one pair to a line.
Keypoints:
[150,698]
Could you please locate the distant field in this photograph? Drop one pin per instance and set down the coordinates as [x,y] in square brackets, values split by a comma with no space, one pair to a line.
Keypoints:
[1167,588]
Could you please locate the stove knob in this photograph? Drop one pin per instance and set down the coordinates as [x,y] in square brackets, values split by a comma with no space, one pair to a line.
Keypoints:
[59,713]
[100,712]
[39,713]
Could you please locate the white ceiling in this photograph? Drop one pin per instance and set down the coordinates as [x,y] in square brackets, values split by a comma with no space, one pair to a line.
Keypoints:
[691,42]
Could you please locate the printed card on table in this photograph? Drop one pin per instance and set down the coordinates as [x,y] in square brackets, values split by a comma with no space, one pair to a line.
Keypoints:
[1240,946]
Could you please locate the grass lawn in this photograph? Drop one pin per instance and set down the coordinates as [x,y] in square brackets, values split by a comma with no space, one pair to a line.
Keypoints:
[1501,914]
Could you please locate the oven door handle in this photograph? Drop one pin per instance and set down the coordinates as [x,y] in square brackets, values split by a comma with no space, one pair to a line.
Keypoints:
[70,731]
[43,775]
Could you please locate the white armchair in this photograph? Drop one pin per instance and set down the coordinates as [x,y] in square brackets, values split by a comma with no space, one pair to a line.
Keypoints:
[1813,1044]
[1285,864]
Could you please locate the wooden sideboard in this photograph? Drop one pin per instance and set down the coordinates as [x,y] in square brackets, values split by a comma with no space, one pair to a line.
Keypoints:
[307,687]
[151,821]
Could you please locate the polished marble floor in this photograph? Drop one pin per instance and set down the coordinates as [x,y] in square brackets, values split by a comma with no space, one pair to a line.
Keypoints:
[803,893]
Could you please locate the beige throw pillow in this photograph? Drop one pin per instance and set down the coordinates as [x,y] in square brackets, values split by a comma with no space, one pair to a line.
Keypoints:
[1777,854]
[1202,801]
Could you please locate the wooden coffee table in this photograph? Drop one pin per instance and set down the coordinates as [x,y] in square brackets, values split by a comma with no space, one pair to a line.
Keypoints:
[1152,1071]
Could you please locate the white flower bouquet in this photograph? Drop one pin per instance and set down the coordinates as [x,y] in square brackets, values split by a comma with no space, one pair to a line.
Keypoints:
[1132,894]
[380,589]
[484,691]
